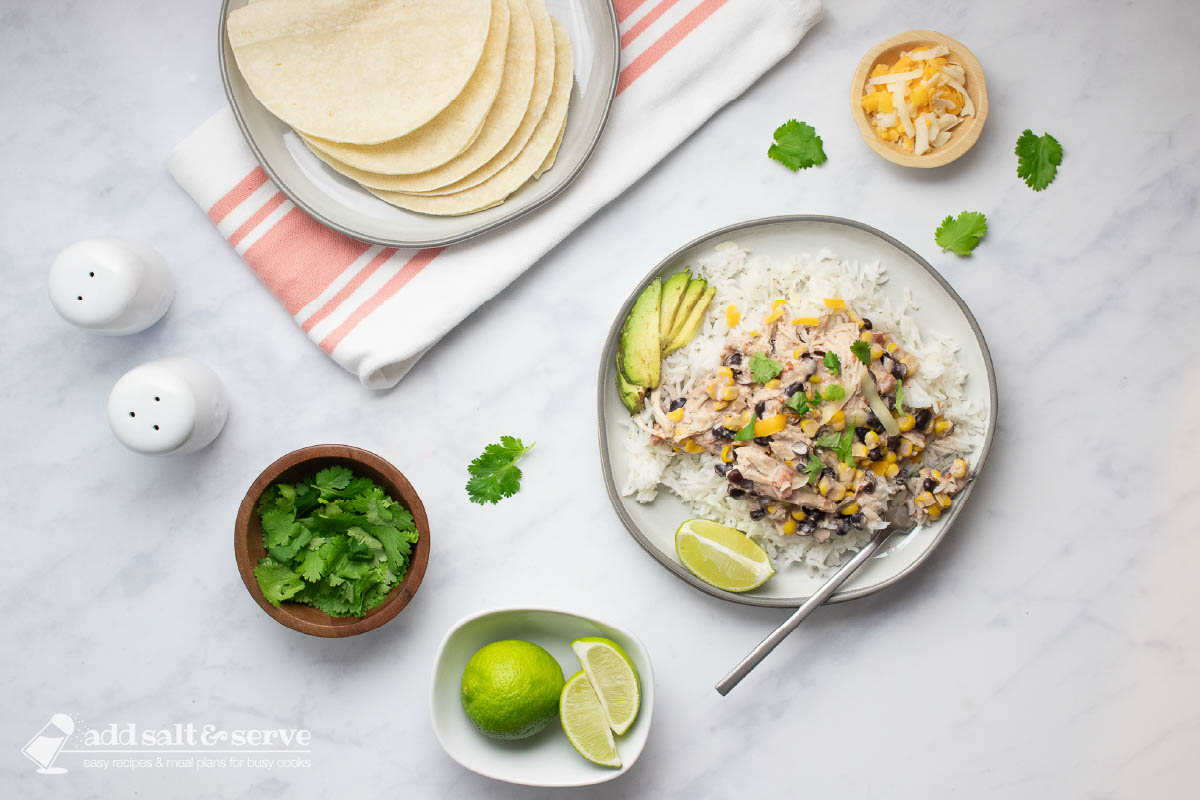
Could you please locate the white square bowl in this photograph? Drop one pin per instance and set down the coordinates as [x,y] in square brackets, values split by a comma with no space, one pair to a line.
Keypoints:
[546,759]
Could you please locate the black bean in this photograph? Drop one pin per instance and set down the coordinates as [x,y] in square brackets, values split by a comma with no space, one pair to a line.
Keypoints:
[792,388]
[902,476]
[758,513]
[735,492]
[760,408]
[814,515]
[868,487]
[828,472]
[873,422]
[922,418]
[819,353]
[805,355]
[721,432]
[866,324]
[890,402]
[732,359]
[762,441]
[843,526]
[893,442]
[875,454]
[735,476]
[677,403]
[808,525]
[860,433]
[858,520]
[899,370]
[800,449]
[721,469]
[929,484]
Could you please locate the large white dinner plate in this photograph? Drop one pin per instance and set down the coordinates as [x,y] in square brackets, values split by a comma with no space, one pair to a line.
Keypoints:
[345,206]
[940,308]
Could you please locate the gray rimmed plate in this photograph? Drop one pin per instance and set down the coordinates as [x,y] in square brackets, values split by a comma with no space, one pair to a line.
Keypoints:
[346,207]
[653,524]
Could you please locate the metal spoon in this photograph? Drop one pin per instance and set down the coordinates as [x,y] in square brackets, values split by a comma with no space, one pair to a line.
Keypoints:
[899,521]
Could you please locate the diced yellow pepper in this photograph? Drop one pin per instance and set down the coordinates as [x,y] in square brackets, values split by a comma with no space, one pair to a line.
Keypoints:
[771,425]
[732,315]
[836,303]
[805,321]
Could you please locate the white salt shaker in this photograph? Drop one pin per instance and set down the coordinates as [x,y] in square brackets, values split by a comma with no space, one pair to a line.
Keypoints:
[172,405]
[111,285]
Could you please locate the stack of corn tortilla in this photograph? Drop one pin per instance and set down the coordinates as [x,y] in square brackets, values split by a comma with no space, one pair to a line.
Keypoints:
[438,106]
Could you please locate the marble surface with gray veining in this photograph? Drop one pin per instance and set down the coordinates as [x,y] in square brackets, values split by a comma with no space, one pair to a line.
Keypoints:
[1050,648]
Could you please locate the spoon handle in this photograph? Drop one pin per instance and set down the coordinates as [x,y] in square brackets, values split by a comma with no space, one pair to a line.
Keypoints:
[791,623]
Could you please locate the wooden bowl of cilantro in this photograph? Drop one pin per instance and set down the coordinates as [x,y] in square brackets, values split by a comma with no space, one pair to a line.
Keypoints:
[332,540]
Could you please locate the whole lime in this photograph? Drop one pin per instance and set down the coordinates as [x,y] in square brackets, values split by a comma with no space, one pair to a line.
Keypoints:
[510,689]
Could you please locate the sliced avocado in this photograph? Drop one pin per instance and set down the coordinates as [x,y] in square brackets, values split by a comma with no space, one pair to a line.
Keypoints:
[691,323]
[695,288]
[672,294]
[632,396]
[640,347]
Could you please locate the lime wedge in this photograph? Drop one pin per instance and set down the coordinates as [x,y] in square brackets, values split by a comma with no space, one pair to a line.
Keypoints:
[720,556]
[584,722]
[614,678]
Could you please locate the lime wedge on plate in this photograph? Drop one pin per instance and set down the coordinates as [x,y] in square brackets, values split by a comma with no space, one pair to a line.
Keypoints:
[584,722]
[722,557]
[614,678]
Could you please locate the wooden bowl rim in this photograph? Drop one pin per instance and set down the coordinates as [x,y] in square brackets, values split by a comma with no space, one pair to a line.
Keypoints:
[397,598]
[977,84]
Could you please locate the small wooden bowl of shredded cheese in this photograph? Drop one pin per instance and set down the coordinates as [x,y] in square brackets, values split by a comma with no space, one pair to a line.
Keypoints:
[919,98]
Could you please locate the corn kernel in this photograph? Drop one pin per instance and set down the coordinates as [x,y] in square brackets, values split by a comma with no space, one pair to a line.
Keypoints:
[943,500]
[892,471]
[837,495]
[876,352]
[858,450]
[771,509]
[727,454]
[858,474]
[805,321]
[772,384]
[879,467]
[824,485]
[936,473]
[848,510]
[958,469]
[799,351]
[891,347]
[911,364]
[836,303]
[814,378]
[871,439]
[720,405]
[729,393]
[799,516]
[732,315]
[906,422]
[754,332]
[732,422]
[890,457]
[711,390]
[906,448]
[942,427]
[675,415]
[691,447]
[845,472]
[789,462]
[924,499]
[726,372]
[934,512]
[865,336]
[789,527]
[838,420]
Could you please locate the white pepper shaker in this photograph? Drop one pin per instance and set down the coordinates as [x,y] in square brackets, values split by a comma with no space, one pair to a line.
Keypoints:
[111,285]
[172,405]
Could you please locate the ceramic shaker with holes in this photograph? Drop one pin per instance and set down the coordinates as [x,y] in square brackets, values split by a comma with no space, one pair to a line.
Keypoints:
[168,406]
[110,285]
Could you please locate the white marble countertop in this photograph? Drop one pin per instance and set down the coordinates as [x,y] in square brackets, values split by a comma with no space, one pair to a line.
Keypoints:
[1050,648]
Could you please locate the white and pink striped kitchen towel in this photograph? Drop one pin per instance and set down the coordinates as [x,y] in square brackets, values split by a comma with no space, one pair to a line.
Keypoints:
[376,310]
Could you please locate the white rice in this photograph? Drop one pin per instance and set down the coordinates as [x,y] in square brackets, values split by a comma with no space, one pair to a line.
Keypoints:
[751,283]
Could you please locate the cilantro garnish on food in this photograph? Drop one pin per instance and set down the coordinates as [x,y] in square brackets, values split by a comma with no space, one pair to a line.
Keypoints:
[961,235]
[833,363]
[334,541]
[813,469]
[1038,158]
[495,474]
[839,443]
[747,433]
[900,397]
[834,392]
[861,351]
[763,368]
[797,146]
[798,402]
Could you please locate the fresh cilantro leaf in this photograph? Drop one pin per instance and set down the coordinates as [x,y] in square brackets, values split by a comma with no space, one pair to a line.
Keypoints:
[961,235]
[1038,158]
[495,474]
[899,397]
[797,146]
[332,479]
[839,443]
[834,392]
[798,402]
[830,440]
[833,363]
[763,368]
[278,526]
[813,469]
[747,433]
[312,567]
[277,581]
[861,351]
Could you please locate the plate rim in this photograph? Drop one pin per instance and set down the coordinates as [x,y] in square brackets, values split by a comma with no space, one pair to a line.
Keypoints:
[606,356]
[517,213]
